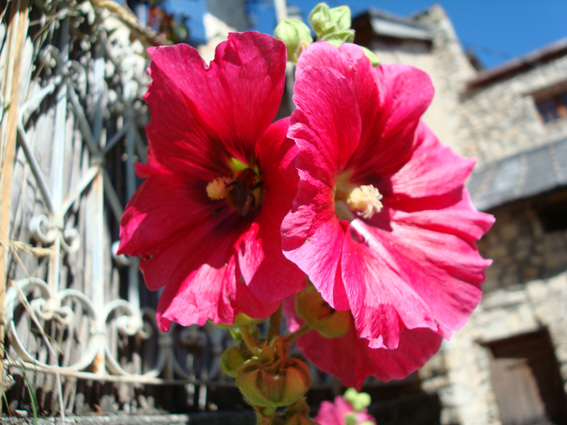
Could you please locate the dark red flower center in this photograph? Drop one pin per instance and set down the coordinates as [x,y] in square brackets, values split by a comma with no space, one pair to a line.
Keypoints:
[243,191]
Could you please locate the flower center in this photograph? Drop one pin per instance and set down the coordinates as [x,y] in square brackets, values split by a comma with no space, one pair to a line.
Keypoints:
[364,200]
[243,191]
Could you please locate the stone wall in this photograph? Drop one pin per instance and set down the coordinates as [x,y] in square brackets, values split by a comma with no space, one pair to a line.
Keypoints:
[501,119]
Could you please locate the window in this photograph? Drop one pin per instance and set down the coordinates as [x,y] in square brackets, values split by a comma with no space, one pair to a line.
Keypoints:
[551,103]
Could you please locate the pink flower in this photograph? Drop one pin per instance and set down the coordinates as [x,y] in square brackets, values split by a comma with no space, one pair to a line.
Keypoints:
[382,222]
[351,359]
[336,413]
[219,180]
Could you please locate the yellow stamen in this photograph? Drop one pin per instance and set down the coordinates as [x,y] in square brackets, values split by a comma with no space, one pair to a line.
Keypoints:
[365,200]
[217,189]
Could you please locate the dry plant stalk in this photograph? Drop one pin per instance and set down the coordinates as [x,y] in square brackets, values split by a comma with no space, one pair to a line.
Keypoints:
[17,31]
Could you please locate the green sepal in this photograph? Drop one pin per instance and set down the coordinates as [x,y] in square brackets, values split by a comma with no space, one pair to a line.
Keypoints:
[371,56]
[273,385]
[339,37]
[232,359]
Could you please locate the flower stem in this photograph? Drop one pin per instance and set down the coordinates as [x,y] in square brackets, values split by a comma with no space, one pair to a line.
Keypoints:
[264,415]
[249,340]
[275,323]
[289,339]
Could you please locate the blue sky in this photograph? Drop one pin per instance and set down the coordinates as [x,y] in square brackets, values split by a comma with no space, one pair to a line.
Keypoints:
[498,30]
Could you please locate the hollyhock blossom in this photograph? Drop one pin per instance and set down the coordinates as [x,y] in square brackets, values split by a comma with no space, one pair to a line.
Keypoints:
[219,180]
[351,359]
[382,223]
[340,412]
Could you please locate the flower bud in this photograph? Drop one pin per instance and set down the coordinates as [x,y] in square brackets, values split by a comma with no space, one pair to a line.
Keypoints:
[276,384]
[296,36]
[358,401]
[340,17]
[232,359]
[311,307]
[320,20]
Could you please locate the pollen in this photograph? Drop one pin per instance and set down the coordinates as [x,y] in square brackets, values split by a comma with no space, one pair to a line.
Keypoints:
[365,200]
[217,189]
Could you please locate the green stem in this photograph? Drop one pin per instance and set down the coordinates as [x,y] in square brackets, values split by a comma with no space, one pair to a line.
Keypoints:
[249,340]
[289,339]
[264,415]
[275,323]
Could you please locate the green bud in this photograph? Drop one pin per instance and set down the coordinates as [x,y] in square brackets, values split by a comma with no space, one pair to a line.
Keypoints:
[320,20]
[351,419]
[296,36]
[326,22]
[370,55]
[311,307]
[367,423]
[339,37]
[232,359]
[358,401]
[340,17]
[265,385]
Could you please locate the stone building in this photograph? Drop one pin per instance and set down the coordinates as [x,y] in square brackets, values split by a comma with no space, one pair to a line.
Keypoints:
[508,365]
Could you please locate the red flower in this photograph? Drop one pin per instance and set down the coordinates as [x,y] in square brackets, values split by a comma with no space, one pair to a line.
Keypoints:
[219,180]
[382,223]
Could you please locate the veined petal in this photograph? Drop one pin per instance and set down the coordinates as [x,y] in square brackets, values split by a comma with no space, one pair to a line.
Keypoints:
[268,274]
[211,241]
[195,301]
[236,97]
[381,299]
[433,169]
[351,359]
[326,131]
[163,206]
[310,236]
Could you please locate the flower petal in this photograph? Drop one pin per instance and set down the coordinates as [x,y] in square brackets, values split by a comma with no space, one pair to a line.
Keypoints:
[433,169]
[236,97]
[351,359]
[326,123]
[163,206]
[407,271]
[268,274]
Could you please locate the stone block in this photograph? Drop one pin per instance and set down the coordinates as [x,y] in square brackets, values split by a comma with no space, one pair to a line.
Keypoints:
[558,283]
[537,290]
